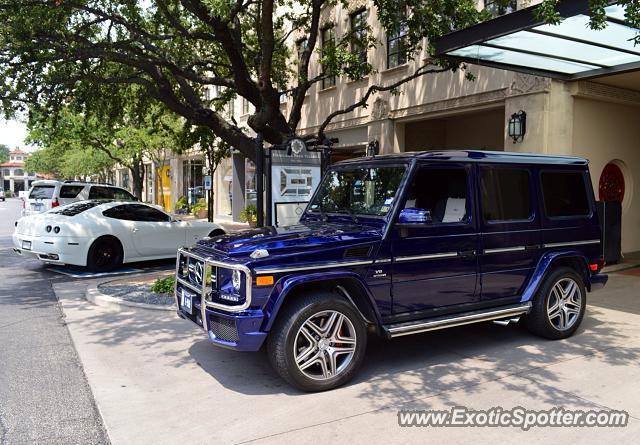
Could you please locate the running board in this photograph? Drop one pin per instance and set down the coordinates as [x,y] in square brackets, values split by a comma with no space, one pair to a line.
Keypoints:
[432,324]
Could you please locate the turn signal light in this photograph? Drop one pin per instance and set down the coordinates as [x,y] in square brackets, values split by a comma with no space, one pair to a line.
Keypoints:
[265,280]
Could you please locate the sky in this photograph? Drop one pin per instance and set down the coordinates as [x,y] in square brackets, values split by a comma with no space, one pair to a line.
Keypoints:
[12,133]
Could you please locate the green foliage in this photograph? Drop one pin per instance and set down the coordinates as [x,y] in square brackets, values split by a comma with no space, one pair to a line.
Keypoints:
[182,203]
[198,207]
[249,213]
[114,59]
[164,285]
[8,194]
[4,153]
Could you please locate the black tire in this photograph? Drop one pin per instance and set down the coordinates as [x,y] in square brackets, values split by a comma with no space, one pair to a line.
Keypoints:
[105,254]
[286,337]
[538,320]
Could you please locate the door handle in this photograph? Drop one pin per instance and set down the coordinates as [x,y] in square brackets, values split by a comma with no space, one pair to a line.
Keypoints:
[467,253]
[135,229]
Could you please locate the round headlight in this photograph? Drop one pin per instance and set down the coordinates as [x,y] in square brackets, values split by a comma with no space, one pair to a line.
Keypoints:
[48,228]
[236,279]
[56,229]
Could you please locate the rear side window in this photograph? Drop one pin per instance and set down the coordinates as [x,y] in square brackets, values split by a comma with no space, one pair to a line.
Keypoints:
[118,194]
[565,194]
[70,191]
[136,212]
[42,192]
[506,193]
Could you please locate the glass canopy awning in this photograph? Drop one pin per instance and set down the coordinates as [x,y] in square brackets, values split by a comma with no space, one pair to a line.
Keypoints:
[571,50]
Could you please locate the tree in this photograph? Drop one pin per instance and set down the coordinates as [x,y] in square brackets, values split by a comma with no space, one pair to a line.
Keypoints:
[175,49]
[4,153]
[75,143]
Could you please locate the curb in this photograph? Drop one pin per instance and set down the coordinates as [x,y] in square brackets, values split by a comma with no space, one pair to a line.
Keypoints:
[93,295]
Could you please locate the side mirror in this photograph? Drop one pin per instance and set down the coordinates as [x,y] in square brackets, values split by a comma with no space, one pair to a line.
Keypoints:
[412,216]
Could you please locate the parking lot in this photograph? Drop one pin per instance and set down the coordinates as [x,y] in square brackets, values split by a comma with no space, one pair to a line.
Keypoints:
[140,376]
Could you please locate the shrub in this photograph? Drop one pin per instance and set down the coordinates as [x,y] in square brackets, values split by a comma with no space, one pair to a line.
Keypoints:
[164,285]
[249,214]
[199,207]
[182,203]
[8,194]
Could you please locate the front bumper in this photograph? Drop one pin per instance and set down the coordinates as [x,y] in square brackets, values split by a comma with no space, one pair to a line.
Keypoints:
[52,250]
[238,331]
[233,327]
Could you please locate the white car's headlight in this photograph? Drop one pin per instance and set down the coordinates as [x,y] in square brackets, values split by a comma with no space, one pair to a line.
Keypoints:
[236,280]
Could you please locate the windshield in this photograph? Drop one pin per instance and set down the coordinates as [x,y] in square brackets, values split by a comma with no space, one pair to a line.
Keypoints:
[41,192]
[360,191]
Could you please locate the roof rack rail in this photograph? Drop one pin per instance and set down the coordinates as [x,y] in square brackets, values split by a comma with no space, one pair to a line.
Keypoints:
[71,181]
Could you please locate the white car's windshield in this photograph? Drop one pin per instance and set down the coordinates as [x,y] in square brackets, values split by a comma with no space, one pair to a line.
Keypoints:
[360,191]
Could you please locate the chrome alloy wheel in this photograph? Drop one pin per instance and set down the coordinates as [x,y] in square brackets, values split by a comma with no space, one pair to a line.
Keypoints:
[325,345]
[564,304]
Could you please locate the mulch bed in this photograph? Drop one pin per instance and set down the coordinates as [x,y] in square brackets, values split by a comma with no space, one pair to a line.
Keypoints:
[137,290]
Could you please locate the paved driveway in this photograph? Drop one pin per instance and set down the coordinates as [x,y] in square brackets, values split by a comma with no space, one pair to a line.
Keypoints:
[156,379]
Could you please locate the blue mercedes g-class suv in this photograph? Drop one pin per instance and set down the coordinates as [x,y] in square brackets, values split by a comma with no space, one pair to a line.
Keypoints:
[397,245]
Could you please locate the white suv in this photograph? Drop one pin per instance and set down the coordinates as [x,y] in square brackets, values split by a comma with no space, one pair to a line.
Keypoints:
[2,195]
[46,194]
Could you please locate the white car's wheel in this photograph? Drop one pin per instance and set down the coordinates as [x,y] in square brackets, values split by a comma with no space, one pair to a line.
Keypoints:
[105,254]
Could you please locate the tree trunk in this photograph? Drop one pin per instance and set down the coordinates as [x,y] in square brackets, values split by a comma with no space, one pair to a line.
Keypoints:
[137,178]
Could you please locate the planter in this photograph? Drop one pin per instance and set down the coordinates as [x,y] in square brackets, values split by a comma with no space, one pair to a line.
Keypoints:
[202,214]
[253,223]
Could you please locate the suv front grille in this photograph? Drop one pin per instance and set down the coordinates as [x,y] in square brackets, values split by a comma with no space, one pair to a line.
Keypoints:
[205,277]
[224,329]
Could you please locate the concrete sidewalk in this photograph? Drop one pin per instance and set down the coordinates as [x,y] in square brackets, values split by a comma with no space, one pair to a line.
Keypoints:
[156,379]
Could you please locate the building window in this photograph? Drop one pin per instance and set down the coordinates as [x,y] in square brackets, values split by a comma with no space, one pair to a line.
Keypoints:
[565,194]
[396,54]
[6,172]
[496,7]
[506,194]
[229,109]
[301,45]
[245,106]
[359,34]
[18,172]
[193,180]
[328,42]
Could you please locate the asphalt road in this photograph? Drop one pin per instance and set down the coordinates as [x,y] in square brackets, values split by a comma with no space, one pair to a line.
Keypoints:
[44,395]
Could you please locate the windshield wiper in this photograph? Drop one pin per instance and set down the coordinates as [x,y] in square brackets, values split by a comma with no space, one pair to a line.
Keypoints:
[323,215]
[349,212]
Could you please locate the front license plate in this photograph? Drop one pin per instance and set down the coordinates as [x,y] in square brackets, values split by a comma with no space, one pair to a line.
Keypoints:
[26,245]
[185,302]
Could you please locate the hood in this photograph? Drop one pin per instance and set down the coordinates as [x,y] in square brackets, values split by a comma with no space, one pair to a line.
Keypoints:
[291,239]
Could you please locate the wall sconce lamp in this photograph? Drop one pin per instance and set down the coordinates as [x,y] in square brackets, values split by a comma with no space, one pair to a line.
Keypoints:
[518,126]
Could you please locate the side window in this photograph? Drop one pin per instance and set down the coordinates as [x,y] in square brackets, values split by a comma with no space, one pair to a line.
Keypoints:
[148,214]
[118,212]
[506,193]
[565,194]
[70,191]
[122,195]
[97,192]
[441,191]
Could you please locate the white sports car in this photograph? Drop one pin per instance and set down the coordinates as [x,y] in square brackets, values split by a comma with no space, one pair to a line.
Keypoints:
[103,234]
